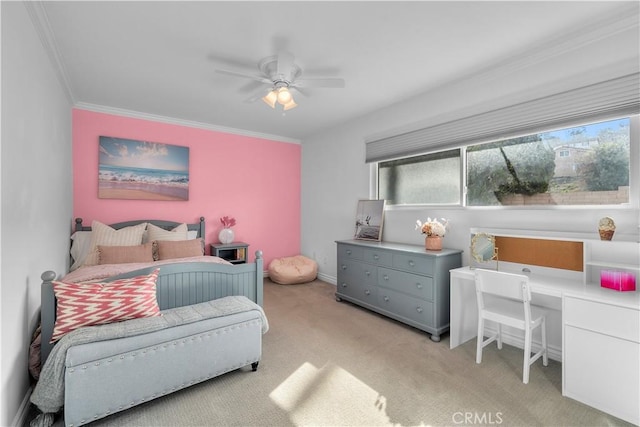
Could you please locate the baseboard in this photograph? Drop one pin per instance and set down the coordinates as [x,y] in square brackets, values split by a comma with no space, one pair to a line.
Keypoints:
[327,278]
[22,415]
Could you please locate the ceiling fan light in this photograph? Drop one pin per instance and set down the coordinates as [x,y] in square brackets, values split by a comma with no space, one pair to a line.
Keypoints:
[289,105]
[270,99]
[284,96]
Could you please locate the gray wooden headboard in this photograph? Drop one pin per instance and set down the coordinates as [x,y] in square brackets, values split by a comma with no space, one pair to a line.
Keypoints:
[167,225]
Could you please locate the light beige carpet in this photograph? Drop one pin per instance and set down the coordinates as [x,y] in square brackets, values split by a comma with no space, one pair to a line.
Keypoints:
[328,363]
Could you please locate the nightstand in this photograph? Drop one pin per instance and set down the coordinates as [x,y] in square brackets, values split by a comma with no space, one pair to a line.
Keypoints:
[235,253]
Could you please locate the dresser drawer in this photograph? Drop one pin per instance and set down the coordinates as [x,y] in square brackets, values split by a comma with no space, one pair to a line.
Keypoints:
[418,264]
[377,257]
[357,271]
[603,318]
[361,292]
[348,269]
[349,252]
[412,284]
[415,309]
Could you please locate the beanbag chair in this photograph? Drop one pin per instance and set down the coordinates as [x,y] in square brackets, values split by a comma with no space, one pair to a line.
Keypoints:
[292,270]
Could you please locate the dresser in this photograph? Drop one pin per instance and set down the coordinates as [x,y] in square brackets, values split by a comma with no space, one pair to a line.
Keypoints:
[404,282]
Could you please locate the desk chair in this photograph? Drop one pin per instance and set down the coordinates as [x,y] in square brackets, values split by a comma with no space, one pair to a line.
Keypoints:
[510,306]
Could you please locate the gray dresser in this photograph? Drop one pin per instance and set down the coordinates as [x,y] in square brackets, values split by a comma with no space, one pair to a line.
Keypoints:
[403,282]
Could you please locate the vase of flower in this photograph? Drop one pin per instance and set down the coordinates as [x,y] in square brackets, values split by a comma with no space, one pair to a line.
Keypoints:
[227,235]
[433,243]
[433,231]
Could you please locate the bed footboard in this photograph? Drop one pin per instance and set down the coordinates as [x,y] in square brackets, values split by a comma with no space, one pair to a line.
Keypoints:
[178,285]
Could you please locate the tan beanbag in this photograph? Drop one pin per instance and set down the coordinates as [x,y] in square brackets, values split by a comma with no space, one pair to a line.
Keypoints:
[292,270]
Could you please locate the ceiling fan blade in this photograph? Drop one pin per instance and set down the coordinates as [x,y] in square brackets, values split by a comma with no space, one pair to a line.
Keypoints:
[246,76]
[230,62]
[328,82]
[254,85]
[303,92]
[259,94]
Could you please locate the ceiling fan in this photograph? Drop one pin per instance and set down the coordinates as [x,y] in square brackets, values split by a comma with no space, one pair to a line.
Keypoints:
[279,75]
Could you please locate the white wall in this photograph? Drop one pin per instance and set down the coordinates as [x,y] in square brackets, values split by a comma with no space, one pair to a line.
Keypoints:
[36,194]
[335,176]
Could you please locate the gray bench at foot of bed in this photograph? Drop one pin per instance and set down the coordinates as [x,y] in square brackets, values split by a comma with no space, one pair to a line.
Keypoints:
[110,376]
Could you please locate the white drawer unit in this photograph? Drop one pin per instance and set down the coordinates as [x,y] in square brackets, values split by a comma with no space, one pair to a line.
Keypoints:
[601,355]
[403,282]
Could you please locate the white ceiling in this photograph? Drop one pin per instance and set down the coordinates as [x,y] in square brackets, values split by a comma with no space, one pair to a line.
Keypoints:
[158,58]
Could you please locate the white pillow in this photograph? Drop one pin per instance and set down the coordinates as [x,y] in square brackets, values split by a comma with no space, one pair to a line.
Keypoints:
[192,234]
[157,233]
[103,235]
[81,243]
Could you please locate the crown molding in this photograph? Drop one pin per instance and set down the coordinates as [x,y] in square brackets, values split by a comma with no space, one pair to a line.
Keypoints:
[625,18]
[180,122]
[41,24]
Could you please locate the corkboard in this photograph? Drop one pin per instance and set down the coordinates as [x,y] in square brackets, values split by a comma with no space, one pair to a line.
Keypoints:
[562,254]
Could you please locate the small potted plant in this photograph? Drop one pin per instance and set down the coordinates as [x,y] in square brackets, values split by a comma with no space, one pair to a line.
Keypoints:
[434,231]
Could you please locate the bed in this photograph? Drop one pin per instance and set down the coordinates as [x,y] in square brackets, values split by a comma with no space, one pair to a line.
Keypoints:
[210,321]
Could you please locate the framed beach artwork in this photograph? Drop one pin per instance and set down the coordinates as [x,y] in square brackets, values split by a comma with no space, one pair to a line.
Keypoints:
[369,219]
[141,170]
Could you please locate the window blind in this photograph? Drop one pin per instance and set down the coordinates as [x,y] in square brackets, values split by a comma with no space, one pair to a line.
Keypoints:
[597,102]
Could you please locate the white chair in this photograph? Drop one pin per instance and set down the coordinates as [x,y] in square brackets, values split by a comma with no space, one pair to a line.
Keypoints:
[509,305]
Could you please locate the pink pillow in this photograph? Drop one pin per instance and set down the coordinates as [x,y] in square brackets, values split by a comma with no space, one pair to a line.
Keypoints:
[179,249]
[87,304]
[125,254]
[102,234]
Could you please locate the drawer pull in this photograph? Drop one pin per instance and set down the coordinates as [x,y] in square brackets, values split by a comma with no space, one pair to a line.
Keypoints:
[386,298]
[367,292]
[344,285]
[419,285]
[385,277]
[419,309]
[344,267]
[411,263]
[376,257]
[368,273]
[348,251]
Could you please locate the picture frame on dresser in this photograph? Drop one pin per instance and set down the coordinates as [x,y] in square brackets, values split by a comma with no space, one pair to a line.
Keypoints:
[369,220]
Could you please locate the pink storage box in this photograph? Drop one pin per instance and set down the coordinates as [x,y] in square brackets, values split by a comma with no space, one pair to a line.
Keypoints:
[618,280]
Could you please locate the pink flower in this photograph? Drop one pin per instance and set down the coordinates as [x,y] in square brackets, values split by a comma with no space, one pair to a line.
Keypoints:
[227,222]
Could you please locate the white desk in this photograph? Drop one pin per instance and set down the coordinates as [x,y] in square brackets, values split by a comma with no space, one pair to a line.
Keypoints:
[546,292]
[598,341]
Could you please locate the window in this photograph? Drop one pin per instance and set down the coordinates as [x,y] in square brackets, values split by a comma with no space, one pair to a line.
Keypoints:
[431,178]
[583,165]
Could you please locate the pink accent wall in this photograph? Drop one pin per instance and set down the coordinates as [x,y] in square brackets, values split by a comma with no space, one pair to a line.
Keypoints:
[254,180]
